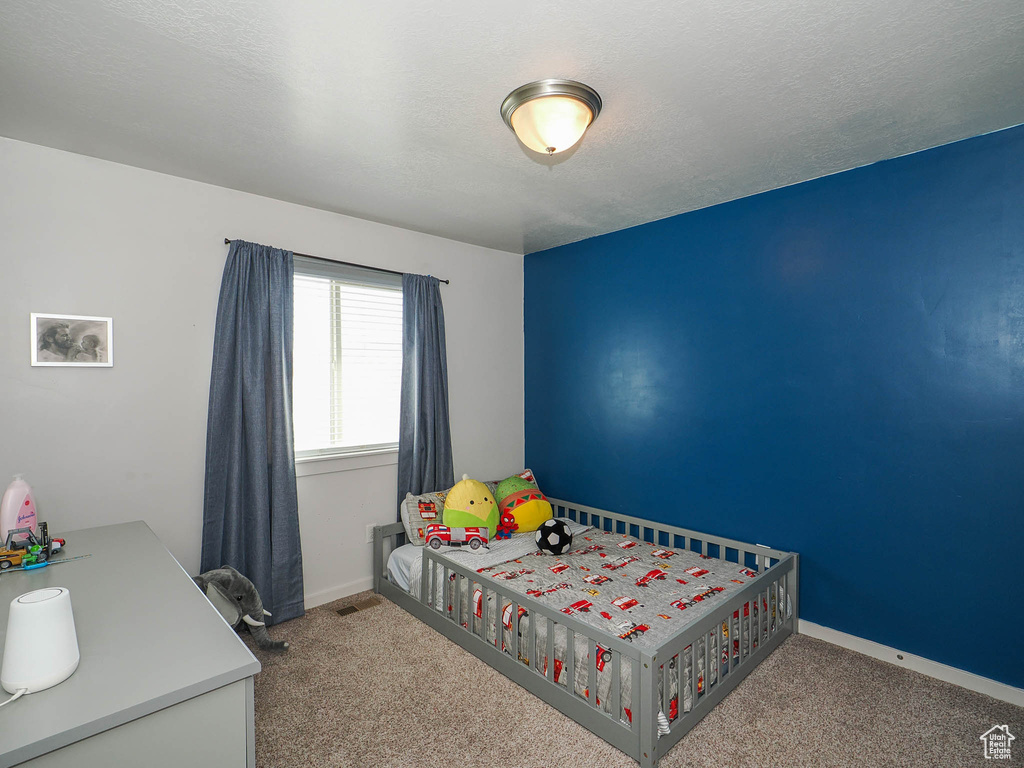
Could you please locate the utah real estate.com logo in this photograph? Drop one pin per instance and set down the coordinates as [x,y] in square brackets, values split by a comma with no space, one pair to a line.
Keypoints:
[997,742]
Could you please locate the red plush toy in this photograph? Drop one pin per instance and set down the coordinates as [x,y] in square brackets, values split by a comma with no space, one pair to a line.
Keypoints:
[506,525]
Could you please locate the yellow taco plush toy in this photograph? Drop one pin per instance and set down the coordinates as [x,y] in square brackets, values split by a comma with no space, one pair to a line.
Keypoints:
[520,497]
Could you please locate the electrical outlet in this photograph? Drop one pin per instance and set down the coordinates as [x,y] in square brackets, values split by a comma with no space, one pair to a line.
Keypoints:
[369,534]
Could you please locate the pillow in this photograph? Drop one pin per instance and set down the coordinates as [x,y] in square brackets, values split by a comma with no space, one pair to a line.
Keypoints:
[419,511]
[471,504]
[519,496]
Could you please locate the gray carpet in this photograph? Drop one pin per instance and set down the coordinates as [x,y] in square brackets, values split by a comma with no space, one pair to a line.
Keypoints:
[379,688]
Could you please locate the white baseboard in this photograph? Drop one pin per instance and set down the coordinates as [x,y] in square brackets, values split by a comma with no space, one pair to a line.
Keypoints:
[312,600]
[935,669]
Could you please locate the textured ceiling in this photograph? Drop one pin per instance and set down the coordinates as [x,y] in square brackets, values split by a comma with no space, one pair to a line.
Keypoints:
[389,111]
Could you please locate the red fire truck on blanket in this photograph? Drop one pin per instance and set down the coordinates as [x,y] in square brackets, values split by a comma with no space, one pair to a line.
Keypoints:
[438,534]
[622,562]
[506,615]
[547,590]
[650,576]
[579,605]
[631,630]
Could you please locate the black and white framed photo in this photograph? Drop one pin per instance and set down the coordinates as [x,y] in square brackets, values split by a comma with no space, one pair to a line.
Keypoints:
[71,340]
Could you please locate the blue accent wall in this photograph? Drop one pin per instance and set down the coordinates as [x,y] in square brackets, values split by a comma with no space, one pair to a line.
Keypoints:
[834,368]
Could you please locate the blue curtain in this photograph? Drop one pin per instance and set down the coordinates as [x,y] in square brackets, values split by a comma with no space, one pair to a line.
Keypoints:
[424,438]
[250,506]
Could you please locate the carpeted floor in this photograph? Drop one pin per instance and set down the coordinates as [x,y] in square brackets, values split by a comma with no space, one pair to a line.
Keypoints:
[379,688]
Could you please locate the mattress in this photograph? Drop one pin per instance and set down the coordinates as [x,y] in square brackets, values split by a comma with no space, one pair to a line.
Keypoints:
[401,562]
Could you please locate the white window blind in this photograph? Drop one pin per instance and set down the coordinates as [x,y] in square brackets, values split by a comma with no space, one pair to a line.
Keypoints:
[347,359]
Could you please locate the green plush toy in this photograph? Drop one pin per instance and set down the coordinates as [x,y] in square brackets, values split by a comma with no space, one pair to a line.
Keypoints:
[520,497]
[470,505]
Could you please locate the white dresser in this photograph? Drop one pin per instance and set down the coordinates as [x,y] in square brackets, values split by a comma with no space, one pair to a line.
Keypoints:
[163,680]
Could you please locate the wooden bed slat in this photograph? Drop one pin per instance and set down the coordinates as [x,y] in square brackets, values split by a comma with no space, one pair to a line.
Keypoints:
[707,666]
[665,675]
[514,607]
[570,660]
[550,656]
[634,723]
[498,636]
[693,677]
[592,672]
[616,687]
[531,643]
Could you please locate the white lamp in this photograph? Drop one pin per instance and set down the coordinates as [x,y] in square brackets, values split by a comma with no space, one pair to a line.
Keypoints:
[550,116]
[41,648]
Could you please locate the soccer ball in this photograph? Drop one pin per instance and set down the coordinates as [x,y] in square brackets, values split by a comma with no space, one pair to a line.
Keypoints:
[554,537]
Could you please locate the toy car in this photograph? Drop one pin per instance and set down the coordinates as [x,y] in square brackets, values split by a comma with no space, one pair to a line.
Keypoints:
[24,547]
[438,534]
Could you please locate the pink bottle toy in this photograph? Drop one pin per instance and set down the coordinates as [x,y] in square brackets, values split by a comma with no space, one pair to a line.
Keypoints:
[18,508]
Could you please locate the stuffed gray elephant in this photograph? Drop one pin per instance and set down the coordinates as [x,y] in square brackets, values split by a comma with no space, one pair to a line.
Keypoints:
[237,600]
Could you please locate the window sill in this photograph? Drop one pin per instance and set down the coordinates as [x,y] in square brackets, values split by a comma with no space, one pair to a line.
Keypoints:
[323,465]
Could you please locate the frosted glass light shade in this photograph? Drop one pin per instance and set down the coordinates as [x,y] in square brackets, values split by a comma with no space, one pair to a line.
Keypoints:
[551,124]
[550,116]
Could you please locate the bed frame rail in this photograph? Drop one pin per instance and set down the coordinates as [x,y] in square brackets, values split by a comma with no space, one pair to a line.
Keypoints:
[724,646]
[728,642]
[483,629]
[754,556]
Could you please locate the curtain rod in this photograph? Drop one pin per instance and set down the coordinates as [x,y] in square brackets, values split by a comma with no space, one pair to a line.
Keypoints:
[227,241]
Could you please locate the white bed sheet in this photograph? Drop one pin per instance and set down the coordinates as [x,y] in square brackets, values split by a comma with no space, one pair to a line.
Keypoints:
[401,563]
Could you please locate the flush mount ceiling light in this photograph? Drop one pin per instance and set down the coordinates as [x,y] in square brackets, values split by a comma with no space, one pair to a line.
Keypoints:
[550,116]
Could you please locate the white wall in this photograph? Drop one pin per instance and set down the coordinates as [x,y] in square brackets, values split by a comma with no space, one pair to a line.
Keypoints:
[88,237]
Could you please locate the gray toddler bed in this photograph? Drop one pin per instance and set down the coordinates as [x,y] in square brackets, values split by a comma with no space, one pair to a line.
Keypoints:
[644,690]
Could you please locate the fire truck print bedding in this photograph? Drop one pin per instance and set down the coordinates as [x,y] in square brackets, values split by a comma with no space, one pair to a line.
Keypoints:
[623,587]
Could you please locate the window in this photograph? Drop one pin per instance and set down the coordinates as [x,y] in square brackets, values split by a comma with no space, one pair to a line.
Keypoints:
[347,359]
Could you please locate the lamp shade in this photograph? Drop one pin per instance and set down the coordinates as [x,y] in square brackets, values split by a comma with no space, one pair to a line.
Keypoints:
[550,116]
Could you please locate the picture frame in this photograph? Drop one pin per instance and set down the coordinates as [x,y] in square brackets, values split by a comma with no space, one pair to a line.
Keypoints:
[71,341]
